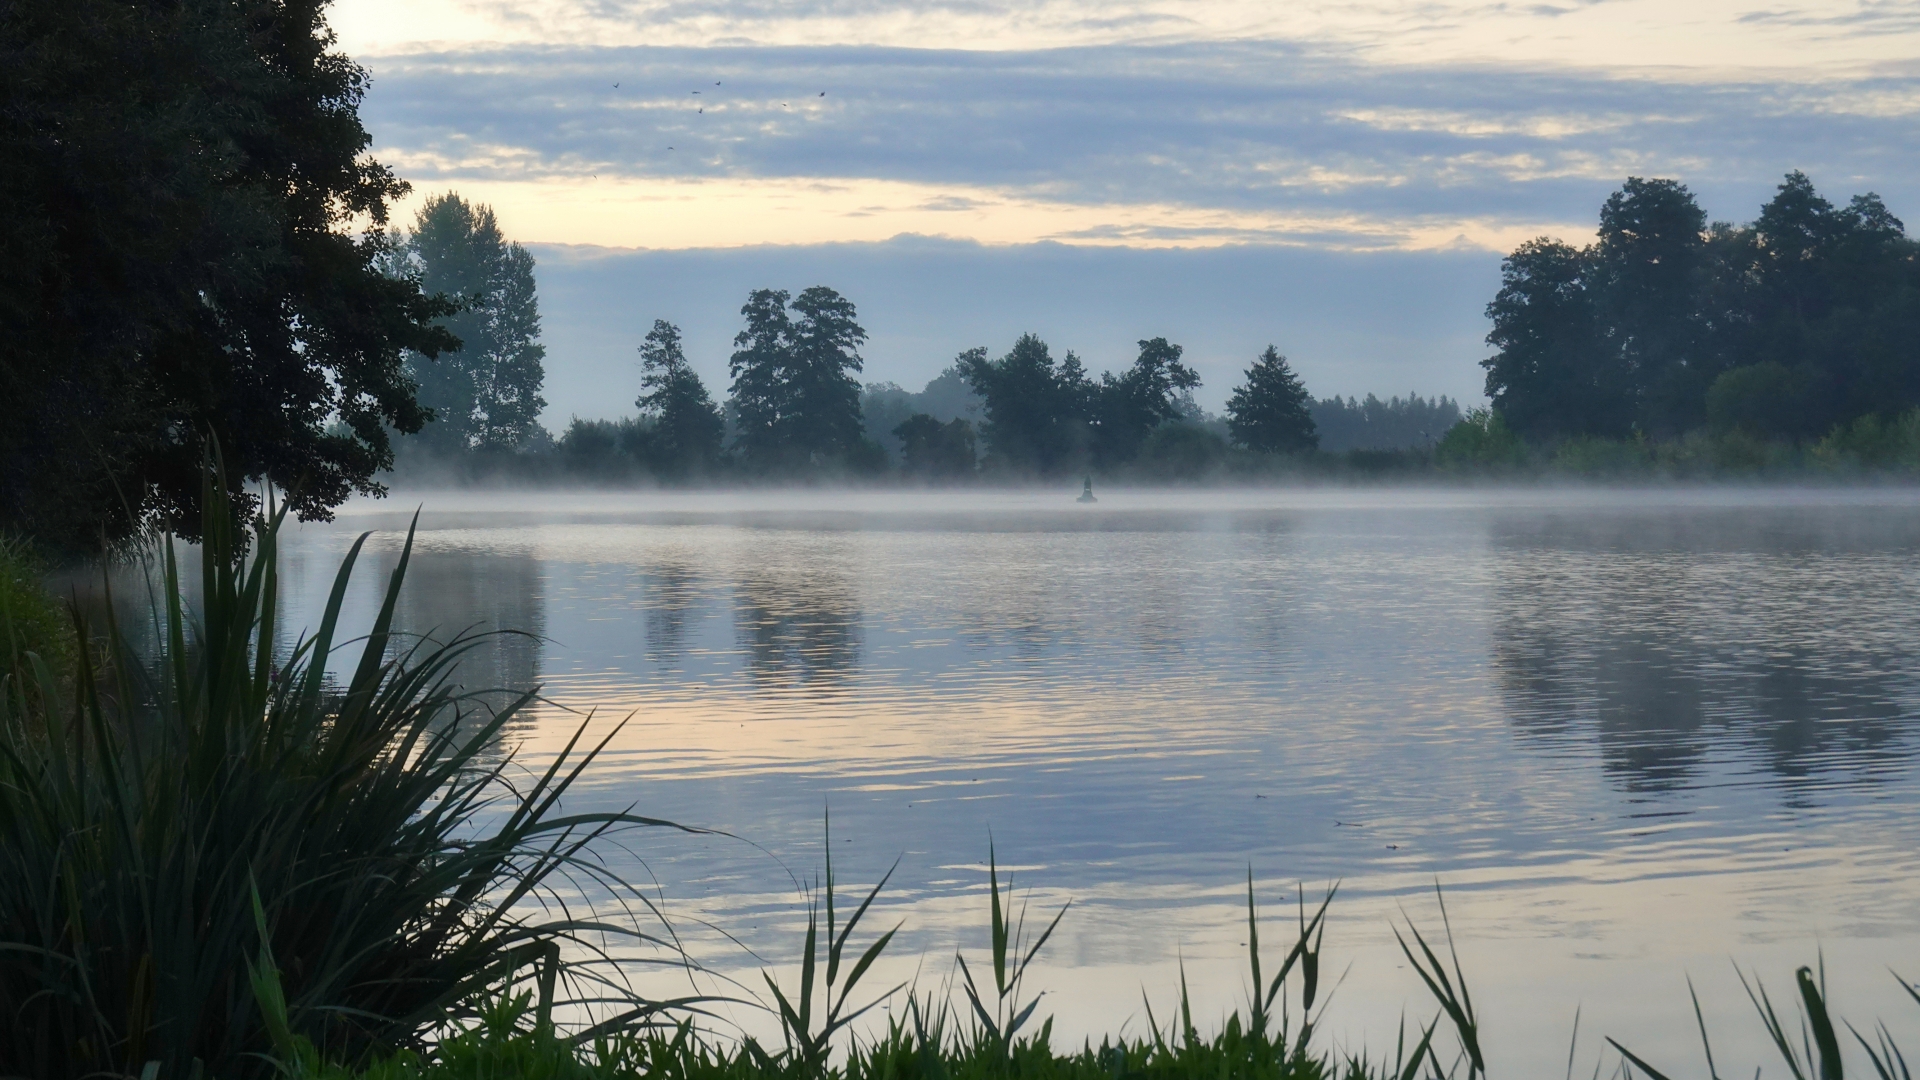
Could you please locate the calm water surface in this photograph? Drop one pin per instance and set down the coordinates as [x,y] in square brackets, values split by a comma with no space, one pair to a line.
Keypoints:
[1633,734]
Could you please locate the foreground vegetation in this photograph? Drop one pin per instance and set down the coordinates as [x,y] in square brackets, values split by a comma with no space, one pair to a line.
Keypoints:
[223,861]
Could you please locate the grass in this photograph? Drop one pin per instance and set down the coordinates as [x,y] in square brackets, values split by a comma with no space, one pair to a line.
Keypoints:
[401,871]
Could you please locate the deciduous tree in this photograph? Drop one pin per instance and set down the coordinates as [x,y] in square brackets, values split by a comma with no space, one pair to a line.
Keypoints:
[191,245]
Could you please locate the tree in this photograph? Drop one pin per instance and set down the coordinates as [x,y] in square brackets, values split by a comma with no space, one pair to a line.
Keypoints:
[935,450]
[823,410]
[759,367]
[1270,411]
[795,398]
[1036,409]
[182,202]
[687,427]
[485,395]
[1130,405]
[1651,273]
[1554,374]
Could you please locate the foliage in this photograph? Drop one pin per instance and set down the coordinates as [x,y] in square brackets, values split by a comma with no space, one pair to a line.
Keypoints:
[485,395]
[1805,320]
[937,451]
[884,406]
[794,399]
[181,210]
[1874,443]
[686,428]
[32,621]
[1482,440]
[1036,407]
[1270,412]
[394,863]
[1154,390]
[1182,451]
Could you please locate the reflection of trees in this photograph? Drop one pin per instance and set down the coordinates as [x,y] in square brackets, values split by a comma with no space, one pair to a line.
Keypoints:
[672,593]
[497,596]
[799,625]
[1665,658]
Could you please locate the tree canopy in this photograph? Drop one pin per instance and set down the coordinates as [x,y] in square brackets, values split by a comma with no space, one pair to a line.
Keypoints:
[1805,320]
[184,218]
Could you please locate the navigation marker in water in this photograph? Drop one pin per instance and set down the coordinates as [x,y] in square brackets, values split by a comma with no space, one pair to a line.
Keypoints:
[1086,493]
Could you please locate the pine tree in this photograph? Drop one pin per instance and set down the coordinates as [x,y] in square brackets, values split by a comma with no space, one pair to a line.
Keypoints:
[687,428]
[795,399]
[1269,412]
[486,395]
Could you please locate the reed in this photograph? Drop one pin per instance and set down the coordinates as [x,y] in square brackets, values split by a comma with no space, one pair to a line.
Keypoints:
[403,870]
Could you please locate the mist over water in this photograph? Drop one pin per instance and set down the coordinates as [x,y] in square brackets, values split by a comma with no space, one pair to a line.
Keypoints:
[1633,732]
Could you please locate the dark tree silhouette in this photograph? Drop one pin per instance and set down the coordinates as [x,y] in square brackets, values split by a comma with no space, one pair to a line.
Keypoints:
[1036,408]
[1130,405]
[1553,375]
[1270,412]
[183,204]
[1788,328]
[686,427]
[485,395]
[795,398]
[935,450]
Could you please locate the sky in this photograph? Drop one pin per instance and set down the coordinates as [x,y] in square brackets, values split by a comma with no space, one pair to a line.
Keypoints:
[1338,179]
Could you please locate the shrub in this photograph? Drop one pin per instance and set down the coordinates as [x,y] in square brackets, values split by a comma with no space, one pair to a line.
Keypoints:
[392,867]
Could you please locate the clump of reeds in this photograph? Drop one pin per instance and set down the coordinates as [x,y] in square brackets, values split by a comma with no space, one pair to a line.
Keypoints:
[144,807]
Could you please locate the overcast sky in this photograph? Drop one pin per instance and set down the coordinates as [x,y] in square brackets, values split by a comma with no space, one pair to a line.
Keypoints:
[1337,178]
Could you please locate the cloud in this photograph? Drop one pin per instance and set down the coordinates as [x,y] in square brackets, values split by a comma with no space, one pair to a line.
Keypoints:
[1699,35]
[1220,142]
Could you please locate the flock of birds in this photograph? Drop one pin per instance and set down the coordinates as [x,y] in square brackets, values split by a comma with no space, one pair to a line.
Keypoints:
[702,109]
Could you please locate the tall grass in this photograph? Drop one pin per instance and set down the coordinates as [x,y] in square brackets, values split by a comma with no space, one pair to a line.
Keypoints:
[403,871]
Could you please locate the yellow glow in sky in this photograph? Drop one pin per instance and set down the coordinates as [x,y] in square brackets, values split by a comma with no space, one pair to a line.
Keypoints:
[640,212]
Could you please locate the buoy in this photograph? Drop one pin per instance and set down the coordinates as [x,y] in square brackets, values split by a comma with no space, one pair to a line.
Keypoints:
[1086,493]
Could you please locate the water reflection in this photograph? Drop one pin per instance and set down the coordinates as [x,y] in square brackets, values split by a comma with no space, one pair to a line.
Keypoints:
[796,613]
[1781,642]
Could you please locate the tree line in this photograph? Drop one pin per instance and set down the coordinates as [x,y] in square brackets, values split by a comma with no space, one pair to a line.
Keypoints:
[1800,323]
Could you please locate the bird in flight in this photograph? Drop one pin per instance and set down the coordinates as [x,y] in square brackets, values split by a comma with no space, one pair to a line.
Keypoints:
[823,93]
[700,110]
[616,86]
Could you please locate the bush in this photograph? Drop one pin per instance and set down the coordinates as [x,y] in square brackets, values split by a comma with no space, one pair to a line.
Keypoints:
[1482,440]
[146,817]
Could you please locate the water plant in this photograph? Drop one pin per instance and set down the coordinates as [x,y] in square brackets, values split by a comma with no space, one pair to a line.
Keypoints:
[404,871]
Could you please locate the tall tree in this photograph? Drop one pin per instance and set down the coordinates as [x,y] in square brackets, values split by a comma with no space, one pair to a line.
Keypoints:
[760,366]
[795,398]
[1036,408]
[1554,374]
[1651,272]
[1130,405]
[687,428]
[182,203]
[824,397]
[486,395]
[1271,411]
